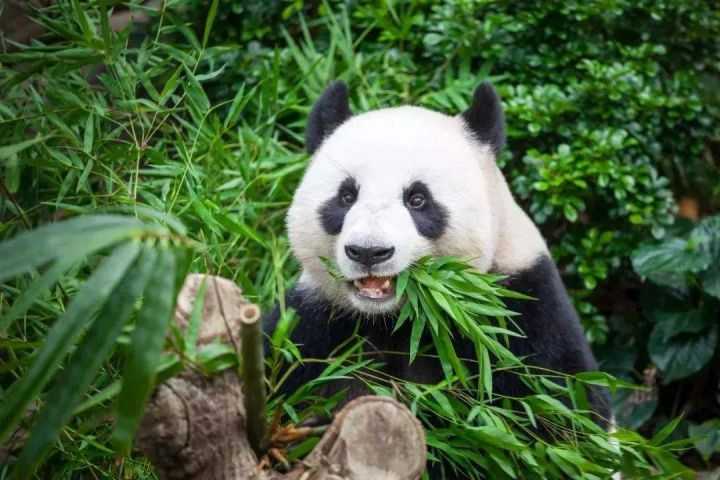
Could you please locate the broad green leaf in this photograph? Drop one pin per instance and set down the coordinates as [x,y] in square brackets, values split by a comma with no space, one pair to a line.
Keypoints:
[95,347]
[711,279]
[706,437]
[679,356]
[146,347]
[667,263]
[632,410]
[62,336]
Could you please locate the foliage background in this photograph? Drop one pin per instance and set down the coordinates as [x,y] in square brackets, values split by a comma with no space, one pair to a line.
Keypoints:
[613,110]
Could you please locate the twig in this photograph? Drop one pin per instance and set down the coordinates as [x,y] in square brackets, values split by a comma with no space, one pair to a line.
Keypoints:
[253,375]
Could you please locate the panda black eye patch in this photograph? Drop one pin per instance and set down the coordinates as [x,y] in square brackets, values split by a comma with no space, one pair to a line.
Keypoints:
[332,212]
[430,216]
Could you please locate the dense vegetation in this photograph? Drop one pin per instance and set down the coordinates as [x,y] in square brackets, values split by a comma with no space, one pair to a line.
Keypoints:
[613,118]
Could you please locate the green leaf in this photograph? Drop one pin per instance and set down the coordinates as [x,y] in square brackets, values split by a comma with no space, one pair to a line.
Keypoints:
[706,437]
[667,262]
[665,431]
[418,327]
[405,313]
[498,438]
[238,104]
[146,347]
[170,86]
[193,329]
[632,410]
[85,24]
[37,288]
[711,279]
[71,238]
[89,134]
[61,337]
[7,151]
[679,356]
[82,367]
[449,360]
[570,212]
[212,13]
[105,28]
[401,283]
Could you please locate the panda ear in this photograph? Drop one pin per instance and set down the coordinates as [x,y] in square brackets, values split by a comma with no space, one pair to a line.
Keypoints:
[328,113]
[485,117]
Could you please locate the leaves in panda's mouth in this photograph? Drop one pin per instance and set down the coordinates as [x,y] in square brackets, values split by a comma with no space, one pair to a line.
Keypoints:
[446,295]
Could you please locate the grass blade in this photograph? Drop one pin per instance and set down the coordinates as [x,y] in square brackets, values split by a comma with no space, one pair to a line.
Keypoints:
[98,343]
[61,336]
[146,349]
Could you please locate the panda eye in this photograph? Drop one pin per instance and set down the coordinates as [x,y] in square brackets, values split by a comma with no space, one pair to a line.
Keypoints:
[348,197]
[416,201]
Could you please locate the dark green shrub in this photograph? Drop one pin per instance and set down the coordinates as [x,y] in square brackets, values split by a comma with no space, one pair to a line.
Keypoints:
[682,305]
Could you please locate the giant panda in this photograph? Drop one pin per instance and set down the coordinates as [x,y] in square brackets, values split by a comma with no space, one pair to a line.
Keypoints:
[387,187]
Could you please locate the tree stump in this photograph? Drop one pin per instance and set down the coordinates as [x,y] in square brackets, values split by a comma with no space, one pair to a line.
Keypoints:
[195,426]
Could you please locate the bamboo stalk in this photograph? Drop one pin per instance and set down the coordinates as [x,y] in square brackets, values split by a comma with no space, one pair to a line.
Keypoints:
[253,375]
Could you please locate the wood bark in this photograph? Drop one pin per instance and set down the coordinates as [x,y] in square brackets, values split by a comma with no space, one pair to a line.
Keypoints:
[195,426]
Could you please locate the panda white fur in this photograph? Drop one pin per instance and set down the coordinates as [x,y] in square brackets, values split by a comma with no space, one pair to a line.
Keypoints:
[387,187]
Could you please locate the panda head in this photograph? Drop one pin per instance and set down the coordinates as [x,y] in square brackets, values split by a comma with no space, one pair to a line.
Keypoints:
[387,187]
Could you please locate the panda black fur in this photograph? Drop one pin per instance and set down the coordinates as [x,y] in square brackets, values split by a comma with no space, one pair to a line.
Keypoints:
[357,206]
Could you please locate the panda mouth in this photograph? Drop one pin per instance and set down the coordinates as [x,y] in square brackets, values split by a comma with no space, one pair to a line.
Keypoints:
[375,288]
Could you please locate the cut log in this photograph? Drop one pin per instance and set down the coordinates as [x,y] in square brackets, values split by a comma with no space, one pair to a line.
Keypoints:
[195,427]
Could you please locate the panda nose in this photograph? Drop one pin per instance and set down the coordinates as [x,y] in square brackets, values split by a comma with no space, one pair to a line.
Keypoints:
[369,256]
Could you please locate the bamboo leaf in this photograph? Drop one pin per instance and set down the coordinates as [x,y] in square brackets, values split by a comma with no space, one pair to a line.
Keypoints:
[212,13]
[105,28]
[81,369]
[89,134]
[71,238]
[7,151]
[146,349]
[193,328]
[61,337]
[415,336]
